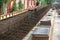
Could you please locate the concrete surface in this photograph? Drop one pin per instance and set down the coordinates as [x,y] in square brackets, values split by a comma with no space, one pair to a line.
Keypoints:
[56,31]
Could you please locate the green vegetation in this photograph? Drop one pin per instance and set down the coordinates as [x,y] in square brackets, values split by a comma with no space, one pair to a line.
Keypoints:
[1,4]
[1,9]
[5,1]
[20,5]
[1,0]
[14,8]
[37,2]
[43,2]
[48,1]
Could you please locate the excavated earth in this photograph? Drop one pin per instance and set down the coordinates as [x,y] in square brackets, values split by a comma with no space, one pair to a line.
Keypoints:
[17,27]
